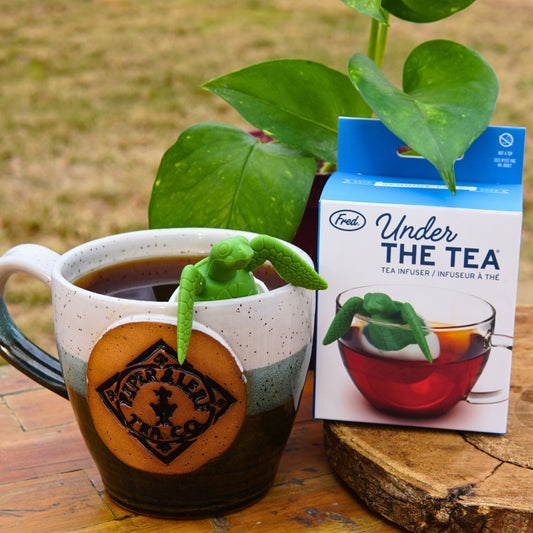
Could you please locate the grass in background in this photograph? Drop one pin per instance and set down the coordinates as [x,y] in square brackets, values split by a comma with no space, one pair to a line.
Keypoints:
[94,91]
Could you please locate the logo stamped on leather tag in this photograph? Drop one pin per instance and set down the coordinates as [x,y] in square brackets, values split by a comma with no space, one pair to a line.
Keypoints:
[155,414]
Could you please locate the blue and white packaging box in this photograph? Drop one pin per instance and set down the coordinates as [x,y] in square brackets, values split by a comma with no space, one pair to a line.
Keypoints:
[389,224]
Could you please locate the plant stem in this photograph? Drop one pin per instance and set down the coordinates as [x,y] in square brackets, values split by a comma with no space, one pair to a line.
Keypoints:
[373,39]
[376,47]
[377,40]
[328,167]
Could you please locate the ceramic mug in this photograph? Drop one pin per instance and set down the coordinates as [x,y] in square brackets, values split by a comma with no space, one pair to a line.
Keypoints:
[198,439]
[460,335]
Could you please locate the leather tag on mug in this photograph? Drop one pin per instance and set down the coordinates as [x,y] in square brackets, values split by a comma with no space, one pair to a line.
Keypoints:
[157,415]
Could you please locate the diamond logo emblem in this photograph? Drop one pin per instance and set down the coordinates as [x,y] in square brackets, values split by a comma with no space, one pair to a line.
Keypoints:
[164,405]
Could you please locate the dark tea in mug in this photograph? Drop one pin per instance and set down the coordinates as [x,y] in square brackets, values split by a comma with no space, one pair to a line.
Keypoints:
[154,279]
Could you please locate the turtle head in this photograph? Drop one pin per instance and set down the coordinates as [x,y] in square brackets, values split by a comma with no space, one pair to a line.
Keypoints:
[229,255]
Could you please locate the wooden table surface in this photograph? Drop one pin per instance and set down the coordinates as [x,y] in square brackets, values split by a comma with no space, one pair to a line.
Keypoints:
[49,483]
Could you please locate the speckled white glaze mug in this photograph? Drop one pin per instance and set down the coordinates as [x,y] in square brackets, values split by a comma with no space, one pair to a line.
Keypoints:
[197,439]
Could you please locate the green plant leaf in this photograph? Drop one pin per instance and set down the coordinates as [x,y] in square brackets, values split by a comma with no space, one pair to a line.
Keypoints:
[297,102]
[424,10]
[371,8]
[448,98]
[220,176]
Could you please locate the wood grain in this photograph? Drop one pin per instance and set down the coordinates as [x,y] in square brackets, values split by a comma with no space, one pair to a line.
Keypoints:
[49,483]
[432,480]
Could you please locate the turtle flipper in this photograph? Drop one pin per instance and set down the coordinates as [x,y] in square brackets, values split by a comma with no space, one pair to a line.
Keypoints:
[191,284]
[415,323]
[288,264]
[343,319]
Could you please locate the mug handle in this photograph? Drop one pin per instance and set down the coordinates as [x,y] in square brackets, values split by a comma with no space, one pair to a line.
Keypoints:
[489,392]
[37,261]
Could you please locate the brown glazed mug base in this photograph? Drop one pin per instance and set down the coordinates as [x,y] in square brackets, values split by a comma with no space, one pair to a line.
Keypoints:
[236,479]
[190,513]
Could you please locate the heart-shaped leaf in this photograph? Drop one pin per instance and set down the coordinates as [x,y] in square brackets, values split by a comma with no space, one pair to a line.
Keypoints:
[371,8]
[424,10]
[295,101]
[219,176]
[448,98]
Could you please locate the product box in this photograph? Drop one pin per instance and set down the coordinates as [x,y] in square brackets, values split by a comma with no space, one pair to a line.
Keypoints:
[423,281]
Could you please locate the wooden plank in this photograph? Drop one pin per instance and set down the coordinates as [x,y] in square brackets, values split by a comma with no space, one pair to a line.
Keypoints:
[8,422]
[41,436]
[298,505]
[41,453]
[304,454]
[310,504]
[13,381]
[51,504]
[305,496]
[28,409]
[49,483]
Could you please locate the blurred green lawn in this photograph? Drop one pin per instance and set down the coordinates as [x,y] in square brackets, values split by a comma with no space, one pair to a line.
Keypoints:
[94,91]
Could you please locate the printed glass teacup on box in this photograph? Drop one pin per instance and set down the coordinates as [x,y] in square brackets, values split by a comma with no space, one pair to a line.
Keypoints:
[400,379]
[194,439]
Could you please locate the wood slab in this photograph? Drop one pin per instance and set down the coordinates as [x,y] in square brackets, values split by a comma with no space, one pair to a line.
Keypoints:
[448,481]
